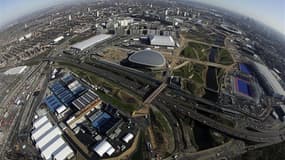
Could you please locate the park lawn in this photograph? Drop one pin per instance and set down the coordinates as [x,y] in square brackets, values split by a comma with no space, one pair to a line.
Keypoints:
[196,51]
[224,57]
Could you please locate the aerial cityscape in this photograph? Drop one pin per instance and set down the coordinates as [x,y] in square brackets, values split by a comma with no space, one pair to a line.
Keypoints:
[141,80]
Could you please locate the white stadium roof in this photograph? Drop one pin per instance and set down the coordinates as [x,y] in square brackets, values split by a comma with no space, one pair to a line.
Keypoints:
[91,41]
[162,41]
[271,80]
[104,147]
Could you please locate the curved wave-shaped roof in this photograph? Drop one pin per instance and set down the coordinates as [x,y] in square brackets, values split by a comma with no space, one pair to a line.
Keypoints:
[148,58]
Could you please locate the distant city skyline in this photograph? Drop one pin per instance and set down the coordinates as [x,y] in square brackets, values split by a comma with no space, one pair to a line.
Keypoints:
[271,13]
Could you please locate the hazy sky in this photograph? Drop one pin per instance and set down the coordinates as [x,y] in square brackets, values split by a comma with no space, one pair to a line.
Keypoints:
[14,9]
[271,12]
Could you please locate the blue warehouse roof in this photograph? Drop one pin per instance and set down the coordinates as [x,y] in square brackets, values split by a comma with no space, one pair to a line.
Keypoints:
[101,120]
[67,79]
[53,103]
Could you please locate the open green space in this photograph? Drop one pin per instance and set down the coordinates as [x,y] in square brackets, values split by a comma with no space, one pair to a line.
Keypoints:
[193,77]
[224,57]
[184,72]
[162,132]
[196,51]
[117,97]
[138,154]
[200,34]
[122,105]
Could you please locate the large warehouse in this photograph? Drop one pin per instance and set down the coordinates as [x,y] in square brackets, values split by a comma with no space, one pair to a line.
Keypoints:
[167,41]
[48,140]
[267,80]
[147,59]
[91,41]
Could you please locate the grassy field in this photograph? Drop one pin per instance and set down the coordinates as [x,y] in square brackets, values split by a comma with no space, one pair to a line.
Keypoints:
[193,77]
[163,133]
[116,101]
[224,57]
[196,51]
[184,72]
[138,154]
[200,34]
[118,96]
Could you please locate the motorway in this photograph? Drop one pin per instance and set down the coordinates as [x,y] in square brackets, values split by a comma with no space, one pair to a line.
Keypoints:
[103,70]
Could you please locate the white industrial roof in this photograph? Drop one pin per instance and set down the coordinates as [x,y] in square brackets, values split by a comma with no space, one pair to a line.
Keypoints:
[110,151]
[41,131]
[16,70]
[162,41]
[271,80]
[57,143]
[40,121]
[48,137]
[102,148]
[40,127]
[61,109]
[74,85]
[128,137]
[91,41]
[58,39]
[63,153]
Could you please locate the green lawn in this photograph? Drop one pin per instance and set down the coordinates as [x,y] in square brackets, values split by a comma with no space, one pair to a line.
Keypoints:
[196,51]
[193,76]
[163,133]
[184,72]
[112,97]
[138,154]
[189,53]
[224,57]
[125,107]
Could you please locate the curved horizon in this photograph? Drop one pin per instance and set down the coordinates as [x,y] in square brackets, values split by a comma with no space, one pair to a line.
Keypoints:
[271,13]
[267,12]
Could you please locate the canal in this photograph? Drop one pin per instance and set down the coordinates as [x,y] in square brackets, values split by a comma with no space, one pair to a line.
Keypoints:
[211,78]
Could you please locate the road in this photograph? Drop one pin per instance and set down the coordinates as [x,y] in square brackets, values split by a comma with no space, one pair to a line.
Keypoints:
[13,131]
[198,61]
[155,93]
[275,136]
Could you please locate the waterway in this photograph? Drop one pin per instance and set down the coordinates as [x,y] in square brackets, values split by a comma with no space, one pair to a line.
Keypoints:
[202,133]
[211,78]
[203,137]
